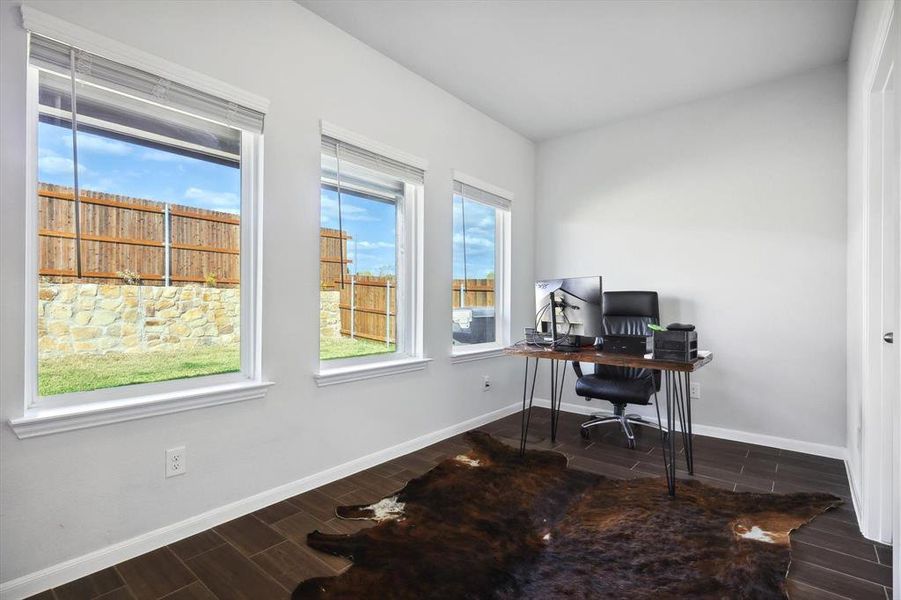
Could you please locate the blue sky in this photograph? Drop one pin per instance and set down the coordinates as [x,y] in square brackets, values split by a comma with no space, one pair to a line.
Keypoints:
[371,224]
[480,239]
[118,167]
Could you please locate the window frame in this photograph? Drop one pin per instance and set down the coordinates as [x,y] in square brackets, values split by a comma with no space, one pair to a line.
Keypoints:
[503,224]
[409,347]
[75,410]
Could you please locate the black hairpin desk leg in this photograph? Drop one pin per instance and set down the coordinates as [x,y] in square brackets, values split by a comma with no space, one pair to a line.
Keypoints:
[678,406]
[558,378]
[526,416]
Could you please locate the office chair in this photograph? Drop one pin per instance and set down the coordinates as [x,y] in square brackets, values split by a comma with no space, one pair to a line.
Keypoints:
[624,313]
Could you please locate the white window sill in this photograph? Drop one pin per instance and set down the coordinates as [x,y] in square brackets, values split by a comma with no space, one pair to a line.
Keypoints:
[369,371]
[37,422]
[463,356]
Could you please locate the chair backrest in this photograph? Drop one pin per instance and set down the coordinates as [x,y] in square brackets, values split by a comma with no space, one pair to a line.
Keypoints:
[629,313]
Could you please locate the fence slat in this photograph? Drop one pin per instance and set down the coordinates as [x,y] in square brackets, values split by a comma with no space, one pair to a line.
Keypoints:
[120,233]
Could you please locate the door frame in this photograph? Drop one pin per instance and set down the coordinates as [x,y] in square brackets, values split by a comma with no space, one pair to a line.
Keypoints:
[879,490]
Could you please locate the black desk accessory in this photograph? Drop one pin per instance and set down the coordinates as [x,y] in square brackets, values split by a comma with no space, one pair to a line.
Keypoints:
[633,345]
[679,342]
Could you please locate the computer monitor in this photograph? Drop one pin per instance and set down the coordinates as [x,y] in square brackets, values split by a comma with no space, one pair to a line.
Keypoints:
[577,319]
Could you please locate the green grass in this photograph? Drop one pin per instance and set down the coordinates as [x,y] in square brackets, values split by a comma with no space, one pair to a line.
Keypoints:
[83,372]
[344,347]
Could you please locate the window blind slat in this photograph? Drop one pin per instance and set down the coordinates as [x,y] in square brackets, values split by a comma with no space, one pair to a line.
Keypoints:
[474,193]
[372,161]
[92,69]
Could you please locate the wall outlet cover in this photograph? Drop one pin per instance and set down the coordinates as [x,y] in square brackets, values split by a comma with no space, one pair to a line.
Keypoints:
[486,383]
[695,391]
[176,461]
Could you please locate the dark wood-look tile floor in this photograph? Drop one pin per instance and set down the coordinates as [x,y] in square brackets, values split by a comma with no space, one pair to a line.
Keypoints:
[264,555]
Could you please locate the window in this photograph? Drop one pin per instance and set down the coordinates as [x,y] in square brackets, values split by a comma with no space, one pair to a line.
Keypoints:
[144,207]
[480,289]
[368,256]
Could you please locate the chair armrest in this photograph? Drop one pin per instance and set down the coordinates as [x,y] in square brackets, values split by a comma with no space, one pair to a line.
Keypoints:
[577,367]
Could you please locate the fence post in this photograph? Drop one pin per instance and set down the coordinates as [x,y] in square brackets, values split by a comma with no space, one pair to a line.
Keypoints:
[167,242]
[353,304]
[387,313]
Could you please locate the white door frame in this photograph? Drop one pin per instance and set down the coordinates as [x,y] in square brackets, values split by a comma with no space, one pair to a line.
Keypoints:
[879,489]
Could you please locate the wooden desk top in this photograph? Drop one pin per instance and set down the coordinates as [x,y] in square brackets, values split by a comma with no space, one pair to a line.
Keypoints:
[590,355]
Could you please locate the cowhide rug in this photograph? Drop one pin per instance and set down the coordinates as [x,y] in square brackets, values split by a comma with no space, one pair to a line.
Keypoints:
[492,524]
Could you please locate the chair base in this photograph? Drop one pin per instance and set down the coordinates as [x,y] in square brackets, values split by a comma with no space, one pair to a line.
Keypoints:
[625,421]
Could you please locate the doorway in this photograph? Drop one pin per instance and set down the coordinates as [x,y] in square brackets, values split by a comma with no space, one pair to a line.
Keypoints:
[881,418]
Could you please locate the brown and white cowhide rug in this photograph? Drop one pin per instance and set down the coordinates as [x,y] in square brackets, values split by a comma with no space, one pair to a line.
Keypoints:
[492,524]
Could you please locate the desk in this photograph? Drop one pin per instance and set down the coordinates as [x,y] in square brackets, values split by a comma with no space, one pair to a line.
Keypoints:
[677,384]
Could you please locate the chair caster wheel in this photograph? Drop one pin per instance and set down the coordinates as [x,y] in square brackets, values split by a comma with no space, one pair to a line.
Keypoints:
[631,444]
[585,433]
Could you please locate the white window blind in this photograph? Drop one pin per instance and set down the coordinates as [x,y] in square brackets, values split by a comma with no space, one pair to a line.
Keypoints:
[349,153]
[91,69]
[473,193]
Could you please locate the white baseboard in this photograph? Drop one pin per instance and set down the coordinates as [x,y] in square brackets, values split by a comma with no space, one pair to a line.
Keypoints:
[761,439]
[72,569]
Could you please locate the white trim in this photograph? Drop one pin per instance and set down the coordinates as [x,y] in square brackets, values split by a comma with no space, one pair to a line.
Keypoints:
[855,500]
[361,141]
[722,433]
[68,33]
[72,569]
[369,371]
[482,185]
[464,356]
[874,466]
[112,400]
[31,235]
[37,422]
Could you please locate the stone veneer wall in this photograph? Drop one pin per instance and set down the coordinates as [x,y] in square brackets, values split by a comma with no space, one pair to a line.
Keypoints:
[97,318]
[329,313]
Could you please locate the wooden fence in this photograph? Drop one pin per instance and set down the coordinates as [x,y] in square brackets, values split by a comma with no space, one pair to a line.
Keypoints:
[369,307]
[331,258]
[163,243]
[475,292]
[368,304]
[122,233]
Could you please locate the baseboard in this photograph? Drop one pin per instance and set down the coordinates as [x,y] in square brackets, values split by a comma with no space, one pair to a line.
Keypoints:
[838,452]
[855,502]
[72,569]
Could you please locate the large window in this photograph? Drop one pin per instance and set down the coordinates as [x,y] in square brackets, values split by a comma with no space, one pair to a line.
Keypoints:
[144,215]
[367,255]
[480,258]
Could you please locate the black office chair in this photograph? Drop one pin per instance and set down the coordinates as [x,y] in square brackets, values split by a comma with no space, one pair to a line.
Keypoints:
[624,313]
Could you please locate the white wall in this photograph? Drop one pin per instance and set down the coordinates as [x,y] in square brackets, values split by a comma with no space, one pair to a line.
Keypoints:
[870,15]
[68,494]
[733,209]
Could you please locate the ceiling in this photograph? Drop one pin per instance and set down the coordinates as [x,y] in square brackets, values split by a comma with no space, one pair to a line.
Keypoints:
[547,68]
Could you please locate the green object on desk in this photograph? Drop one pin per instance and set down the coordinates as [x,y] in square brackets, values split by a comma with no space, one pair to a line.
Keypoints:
[654,327]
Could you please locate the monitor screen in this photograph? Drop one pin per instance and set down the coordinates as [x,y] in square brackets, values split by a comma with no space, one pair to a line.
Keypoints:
[578,309]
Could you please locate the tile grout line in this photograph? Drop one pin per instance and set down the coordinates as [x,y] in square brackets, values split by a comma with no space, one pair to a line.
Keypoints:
[838,572]
[190,570]
[815,545]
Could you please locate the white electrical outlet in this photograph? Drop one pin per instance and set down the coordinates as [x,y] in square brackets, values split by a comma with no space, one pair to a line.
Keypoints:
[176,461]
[486,383]
[695,391]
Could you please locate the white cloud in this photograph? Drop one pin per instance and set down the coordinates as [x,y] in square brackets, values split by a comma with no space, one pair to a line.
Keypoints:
[51,163]
[349,212]
[373,245]
[160,156]
[101,145]
[473,241]
[223,201]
